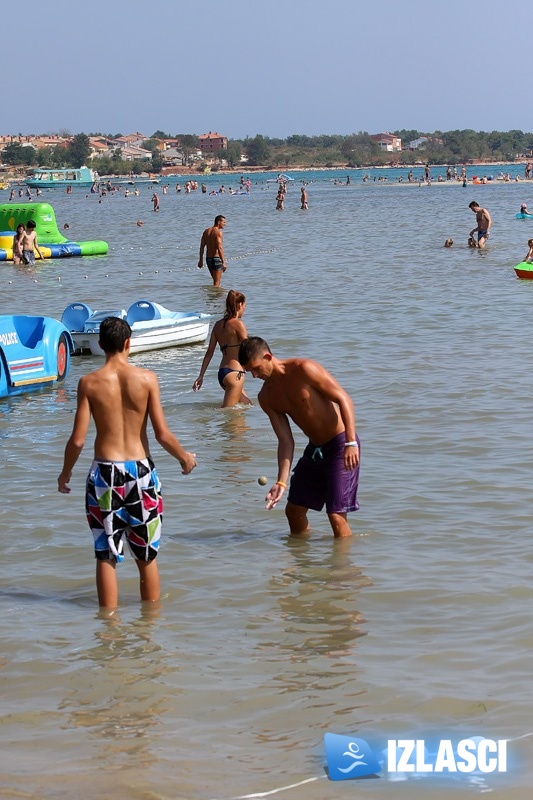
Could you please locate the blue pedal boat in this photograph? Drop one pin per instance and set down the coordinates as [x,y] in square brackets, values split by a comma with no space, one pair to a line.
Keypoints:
[34,352]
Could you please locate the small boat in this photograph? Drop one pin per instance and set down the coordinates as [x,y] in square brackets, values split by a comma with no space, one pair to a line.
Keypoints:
[131,181]
[153,326]
[282,178]
[59,178]
[34,352]
[524,270]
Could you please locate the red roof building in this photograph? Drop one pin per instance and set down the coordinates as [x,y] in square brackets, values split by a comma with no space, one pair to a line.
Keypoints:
[211,142]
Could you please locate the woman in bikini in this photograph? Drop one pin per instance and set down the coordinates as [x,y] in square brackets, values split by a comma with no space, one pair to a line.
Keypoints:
[17,244]
[228,333]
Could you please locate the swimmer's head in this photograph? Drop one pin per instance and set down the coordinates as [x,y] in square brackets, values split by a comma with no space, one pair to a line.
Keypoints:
[256,357]
[530,242]
[114,333]
[234,302]
[448,243]
[471,242]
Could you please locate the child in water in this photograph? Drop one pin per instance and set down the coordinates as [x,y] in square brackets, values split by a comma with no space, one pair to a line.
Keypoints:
[448,243]
[472,242]
[529,258]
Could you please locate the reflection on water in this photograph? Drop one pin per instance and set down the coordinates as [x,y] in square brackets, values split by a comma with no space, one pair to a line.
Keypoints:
[234,437]
[317,600]
[117,694]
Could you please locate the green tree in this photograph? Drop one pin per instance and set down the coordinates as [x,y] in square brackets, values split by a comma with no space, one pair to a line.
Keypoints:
[257,150]
[141,165]
[44,156]
[157,163]
[233,153]
[15,153]
[78,150]
[150,144]
[188,144]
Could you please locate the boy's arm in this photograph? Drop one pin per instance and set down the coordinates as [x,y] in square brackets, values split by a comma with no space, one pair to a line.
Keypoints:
[162,432]
[202,248]
[282,429]
[37,248]
[75,444]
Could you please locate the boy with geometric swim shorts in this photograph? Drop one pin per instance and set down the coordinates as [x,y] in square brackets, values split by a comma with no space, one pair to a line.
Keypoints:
[123,493]
[328,472]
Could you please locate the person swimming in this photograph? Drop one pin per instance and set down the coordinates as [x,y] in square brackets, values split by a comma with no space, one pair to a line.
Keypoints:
[228,333]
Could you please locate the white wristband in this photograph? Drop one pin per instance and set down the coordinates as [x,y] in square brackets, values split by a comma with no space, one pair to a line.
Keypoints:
[351,444]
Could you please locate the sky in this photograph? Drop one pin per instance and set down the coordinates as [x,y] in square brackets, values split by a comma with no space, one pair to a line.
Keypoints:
[274,67]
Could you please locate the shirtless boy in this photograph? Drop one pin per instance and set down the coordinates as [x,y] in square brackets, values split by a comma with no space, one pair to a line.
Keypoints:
[211,242]
[328,471]
[483,223]
[29,244]
[123,494]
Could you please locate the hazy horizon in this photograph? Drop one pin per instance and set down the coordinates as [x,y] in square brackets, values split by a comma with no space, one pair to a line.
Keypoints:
[277,70]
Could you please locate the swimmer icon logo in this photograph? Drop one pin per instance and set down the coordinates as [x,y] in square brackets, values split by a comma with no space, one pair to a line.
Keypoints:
[349,758]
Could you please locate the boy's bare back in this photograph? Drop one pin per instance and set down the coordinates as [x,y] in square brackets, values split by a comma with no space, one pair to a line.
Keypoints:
[120,398]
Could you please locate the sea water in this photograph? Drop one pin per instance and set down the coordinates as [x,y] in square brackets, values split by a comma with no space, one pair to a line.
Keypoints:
[418,624]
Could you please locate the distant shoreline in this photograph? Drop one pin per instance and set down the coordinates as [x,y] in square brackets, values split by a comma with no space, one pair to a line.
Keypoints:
[245,169]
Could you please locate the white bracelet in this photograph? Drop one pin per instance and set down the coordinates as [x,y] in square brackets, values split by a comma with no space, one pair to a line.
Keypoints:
[351,444]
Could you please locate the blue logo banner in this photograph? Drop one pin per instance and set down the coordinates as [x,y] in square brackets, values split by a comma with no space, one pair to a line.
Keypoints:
[348,757]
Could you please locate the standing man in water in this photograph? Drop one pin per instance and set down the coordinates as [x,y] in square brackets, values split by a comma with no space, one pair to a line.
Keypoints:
[483,223]
[211,242]
[328,471]
[123,495]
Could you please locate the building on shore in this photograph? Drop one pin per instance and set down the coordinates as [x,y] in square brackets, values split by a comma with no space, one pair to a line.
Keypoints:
[387,141]
[212,142]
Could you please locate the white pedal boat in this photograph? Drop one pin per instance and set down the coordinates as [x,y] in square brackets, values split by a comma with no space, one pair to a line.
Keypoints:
[153,326]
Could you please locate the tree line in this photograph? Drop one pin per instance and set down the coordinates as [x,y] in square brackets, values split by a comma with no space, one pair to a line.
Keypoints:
[354,150]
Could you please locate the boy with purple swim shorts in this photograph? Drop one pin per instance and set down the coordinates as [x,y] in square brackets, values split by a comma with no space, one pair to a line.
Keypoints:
[321,477]
[304,392]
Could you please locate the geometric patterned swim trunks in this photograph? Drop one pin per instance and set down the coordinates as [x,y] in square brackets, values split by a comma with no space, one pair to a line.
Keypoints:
[123,498]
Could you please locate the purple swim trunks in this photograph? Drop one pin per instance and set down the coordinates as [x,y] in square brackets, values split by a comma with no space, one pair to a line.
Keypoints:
[320,477]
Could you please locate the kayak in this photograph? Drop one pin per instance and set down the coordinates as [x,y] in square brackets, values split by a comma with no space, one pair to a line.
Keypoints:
[524,270]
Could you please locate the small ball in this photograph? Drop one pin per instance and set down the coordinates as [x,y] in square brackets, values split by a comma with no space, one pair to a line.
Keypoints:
[262,480]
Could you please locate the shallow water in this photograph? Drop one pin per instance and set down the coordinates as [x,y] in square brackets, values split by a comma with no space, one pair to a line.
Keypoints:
[262,643]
